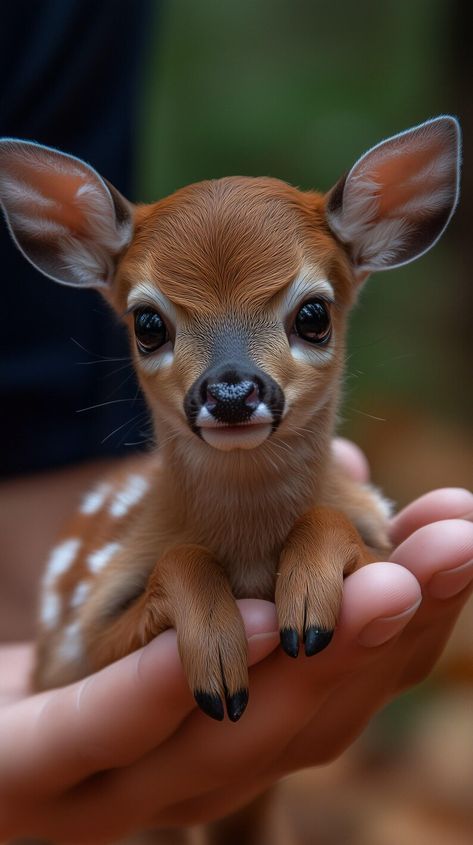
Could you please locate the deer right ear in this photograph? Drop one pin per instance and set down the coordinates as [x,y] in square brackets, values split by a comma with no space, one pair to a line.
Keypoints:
[398,198]
[66,220]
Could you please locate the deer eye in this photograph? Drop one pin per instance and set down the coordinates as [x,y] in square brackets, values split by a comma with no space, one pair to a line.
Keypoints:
[150,330]
[313,322]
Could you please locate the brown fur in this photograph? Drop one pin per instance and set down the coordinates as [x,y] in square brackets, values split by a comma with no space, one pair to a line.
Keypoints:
[216,523]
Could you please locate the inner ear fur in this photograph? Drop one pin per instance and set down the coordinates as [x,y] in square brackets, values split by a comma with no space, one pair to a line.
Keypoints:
[396,201]
[67,221]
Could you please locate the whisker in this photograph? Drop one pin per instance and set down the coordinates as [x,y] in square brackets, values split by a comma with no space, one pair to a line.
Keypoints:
[119,427]
[109,402]
[168,439]
[137,421]
[100,358]
[122,383]
[275,466]
[102,361]
[300,430]
[366,414]
[116,370]
[390,360]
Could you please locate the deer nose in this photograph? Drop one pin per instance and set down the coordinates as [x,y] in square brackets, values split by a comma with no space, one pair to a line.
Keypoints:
[232,402]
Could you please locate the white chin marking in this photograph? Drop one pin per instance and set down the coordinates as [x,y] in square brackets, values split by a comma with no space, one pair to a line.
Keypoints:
[230,437]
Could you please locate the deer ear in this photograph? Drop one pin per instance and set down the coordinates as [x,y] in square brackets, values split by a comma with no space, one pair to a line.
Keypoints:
[66,220]
[398,198]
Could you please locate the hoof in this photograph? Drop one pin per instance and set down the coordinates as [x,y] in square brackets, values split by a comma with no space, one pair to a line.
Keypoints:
[316,639]
[290,641]
[236,704]
[211,705]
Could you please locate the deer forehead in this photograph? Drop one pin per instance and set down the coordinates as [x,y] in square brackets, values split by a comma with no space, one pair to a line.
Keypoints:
[232,243]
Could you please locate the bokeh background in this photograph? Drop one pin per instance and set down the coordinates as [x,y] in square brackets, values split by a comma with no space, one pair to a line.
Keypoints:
[298,89]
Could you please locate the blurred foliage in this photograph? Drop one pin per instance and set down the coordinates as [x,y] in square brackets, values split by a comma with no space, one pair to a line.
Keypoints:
[298,89]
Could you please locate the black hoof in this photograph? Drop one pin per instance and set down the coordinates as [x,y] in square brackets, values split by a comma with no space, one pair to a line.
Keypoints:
[316,639]
[236,704]
[211,705]
[290,641]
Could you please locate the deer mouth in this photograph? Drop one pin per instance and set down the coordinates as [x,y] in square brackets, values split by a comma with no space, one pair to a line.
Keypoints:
[227,436]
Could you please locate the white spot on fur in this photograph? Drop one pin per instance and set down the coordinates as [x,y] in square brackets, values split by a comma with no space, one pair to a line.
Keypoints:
[96,561]
[128,496]
[80,594]
[60,559]
[93,501]
[50,609]
[70,648]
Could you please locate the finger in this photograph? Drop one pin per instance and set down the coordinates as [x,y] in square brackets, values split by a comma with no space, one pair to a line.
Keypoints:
[439,550]
[447,503]
[334,726]
[380,599]
[219,803]
[283,696]
[378,602]
[441,556]
[443,547]
[55,739]
[16,663]
[351,459]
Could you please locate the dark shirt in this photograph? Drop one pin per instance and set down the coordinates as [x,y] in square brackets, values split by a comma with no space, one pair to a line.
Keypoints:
[71,79]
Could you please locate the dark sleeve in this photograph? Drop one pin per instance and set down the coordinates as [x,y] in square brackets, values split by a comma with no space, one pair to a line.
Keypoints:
[71,79]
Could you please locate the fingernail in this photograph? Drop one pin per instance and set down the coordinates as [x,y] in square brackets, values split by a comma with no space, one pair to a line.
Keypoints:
[259,638]
[444,585]
[381,630]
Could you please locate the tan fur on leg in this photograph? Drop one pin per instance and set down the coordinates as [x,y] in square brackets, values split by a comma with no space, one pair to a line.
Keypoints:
[189,591]
[322,547]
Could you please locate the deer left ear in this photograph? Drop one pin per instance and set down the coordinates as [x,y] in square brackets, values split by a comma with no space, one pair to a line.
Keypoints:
[398,198]
[67,221]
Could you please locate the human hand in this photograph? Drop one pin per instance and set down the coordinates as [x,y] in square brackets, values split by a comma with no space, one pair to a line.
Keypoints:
[126,748]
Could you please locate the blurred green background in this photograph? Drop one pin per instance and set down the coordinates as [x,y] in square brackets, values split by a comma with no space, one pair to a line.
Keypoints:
[298,89]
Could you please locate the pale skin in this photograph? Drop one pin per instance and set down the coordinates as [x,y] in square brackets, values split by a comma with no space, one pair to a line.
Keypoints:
[127,749]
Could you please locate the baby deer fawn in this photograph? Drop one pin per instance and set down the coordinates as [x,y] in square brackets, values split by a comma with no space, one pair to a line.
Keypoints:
[236,294]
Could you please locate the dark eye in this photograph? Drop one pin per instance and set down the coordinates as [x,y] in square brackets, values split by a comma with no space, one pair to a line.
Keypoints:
[313,323]
[150,330]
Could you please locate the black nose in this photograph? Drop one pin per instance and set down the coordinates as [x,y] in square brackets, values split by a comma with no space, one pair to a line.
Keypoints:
[231,392]
[231,401]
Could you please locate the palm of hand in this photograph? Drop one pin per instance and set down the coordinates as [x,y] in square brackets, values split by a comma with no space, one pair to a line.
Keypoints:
[126,748]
